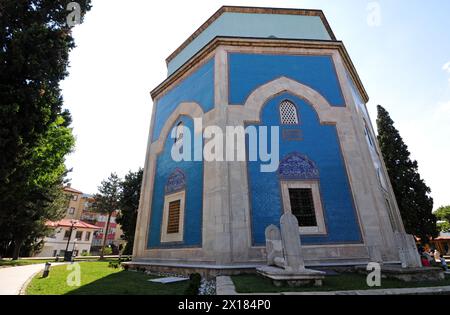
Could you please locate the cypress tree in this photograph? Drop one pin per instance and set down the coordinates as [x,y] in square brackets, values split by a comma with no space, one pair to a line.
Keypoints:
[35,41]
[411,191]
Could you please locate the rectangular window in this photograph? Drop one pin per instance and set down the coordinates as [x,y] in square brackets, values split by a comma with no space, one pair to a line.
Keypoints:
[74,197]
[173,223]
[87,236]
[79,235]
[172,229]
[302,206]
[71,210]
[302,199]
[66,235]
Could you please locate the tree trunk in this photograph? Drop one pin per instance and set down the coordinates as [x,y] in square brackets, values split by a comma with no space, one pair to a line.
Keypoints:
[16,251]
[105,237]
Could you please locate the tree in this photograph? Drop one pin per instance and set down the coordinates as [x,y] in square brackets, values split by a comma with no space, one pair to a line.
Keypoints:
[40,197]
[443,214]
[129,204]
[35,41]
[107,201]
[411,192]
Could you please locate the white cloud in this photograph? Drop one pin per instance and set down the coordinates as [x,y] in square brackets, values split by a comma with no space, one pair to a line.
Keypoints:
[446,67]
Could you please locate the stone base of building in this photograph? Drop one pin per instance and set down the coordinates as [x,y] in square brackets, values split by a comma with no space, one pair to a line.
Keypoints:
[409,274]
[213,270]
[207,271]
[280,276]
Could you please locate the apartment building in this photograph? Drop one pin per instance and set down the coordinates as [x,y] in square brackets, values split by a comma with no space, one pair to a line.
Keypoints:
[81,230]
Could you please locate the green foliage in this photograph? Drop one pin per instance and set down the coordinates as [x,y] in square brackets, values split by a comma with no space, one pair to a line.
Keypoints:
[444,226]
[194,284]
[412,194]
[114,264]
[107,201]
[443,214]
[107,251]
[34,136]
[108,197]
[39,198]
[129,204]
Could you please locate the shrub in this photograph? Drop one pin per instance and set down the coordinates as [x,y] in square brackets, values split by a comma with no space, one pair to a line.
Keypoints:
[107,251]
[195,280]
[114,265]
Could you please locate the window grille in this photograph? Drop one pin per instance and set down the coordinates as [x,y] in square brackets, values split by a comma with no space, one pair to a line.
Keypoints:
[173,224]
[302,206]
[288,113]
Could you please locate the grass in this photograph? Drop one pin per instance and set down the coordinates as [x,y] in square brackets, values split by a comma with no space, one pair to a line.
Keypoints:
[22,262]
[98,279]
[258,284]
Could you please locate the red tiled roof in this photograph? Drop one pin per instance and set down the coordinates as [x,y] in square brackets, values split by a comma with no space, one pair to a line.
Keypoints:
[72,190]
[67,223]
[442,238]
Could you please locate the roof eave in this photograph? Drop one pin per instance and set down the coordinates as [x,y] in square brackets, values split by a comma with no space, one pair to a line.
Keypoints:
[262,42]
[254,10]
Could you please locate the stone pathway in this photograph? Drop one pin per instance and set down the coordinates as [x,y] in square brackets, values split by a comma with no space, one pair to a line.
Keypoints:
[12,279]
[225,286]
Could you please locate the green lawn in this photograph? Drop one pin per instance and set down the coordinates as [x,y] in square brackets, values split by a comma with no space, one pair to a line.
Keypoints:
[22,262]
[258,284]
[98,279]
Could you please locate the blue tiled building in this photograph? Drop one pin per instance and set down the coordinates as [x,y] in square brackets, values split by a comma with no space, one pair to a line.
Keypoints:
[280,73]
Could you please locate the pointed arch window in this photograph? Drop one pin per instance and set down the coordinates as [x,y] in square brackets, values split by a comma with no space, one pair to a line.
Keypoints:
[288,113]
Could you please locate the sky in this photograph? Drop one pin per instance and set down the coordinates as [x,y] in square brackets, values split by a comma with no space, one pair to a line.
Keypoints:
[401,50]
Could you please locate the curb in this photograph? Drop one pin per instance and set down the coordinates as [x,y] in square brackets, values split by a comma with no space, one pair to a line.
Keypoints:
[23,289]
[402,291]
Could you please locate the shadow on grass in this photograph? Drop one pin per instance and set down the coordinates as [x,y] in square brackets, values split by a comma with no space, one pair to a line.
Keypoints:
[339,282]
[129,283]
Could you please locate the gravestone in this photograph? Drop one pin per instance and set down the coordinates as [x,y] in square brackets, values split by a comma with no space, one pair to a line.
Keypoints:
[274,247]
[285,263]
[291,242]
